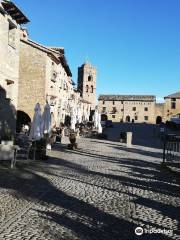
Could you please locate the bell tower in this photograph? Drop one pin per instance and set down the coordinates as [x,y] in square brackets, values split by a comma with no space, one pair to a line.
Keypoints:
[87,83]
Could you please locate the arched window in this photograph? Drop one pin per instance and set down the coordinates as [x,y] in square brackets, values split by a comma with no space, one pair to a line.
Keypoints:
[90,78]
[87,88]
[92,89]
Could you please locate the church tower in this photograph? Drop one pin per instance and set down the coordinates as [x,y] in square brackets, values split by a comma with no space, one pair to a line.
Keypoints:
[87,83]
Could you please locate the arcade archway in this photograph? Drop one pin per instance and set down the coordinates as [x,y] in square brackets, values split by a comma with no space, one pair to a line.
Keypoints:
[158,120]
[128,119]
[22,119]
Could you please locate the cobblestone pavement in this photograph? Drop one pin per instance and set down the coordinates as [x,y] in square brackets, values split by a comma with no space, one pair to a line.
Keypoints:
[101,191]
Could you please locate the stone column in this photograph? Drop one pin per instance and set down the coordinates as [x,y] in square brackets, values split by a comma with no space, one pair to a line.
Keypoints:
[129,139]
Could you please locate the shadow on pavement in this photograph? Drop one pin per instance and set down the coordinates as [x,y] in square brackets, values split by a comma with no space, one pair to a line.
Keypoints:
[84,219]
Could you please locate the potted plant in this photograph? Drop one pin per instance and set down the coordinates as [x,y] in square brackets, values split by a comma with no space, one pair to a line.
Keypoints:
[72,138]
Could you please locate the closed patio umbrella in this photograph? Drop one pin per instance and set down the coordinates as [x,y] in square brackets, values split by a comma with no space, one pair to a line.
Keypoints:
[47,124]
[46,120]
[73,119]
[96,118]
[99,124]
[36,126]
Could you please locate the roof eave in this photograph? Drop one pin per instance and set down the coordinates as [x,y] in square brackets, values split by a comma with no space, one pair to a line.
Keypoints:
[14,12]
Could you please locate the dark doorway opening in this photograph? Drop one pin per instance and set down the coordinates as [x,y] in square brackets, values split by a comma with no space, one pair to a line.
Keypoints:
[22,119]
[67,121]
[128,119]
[104,117]
[158,120]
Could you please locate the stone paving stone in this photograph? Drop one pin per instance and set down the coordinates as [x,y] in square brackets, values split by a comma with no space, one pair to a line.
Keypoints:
[101,191]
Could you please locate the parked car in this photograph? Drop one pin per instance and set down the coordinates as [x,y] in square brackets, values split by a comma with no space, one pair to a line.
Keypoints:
[109,123]
[174,123]
[175,120]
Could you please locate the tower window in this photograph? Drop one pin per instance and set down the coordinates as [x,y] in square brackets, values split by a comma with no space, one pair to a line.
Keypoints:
[87,88]
[92,89]
[90,78]
[173,103]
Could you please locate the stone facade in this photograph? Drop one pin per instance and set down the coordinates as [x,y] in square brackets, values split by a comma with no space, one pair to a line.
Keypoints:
[10,32]
[172,106]
[46,76]
[128,108]
[160,112]
[43,78]
[87,83]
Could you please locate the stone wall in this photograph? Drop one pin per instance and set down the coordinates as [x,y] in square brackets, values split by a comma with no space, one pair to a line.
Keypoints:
[137,111]
[9,70]
[160,111]
[169,112]
[32,81]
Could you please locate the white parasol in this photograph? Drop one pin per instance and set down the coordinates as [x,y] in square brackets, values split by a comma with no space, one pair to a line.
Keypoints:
[46,120]
[36,126]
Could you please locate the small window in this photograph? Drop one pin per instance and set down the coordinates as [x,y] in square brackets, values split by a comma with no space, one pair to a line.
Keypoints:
[122,110]
[134,108]
[173,103]
[90,78]
[136,118]
[104,109]
[113,116]
[87,88]
[146,118]
[113,102]
[103,102]
[146,109]
[92,90]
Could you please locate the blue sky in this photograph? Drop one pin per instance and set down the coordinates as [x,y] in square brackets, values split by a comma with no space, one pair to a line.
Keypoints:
[135,44]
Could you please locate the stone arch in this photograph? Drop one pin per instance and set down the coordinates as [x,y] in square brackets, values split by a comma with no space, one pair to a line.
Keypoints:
[22,119]
[128,118]
[158,120]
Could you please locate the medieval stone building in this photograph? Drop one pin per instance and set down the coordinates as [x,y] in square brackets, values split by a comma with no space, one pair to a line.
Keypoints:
[11,19]
[172,106]
[127,108]
[44,76]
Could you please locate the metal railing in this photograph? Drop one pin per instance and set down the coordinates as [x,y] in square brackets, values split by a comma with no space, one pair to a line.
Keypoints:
[171,149]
